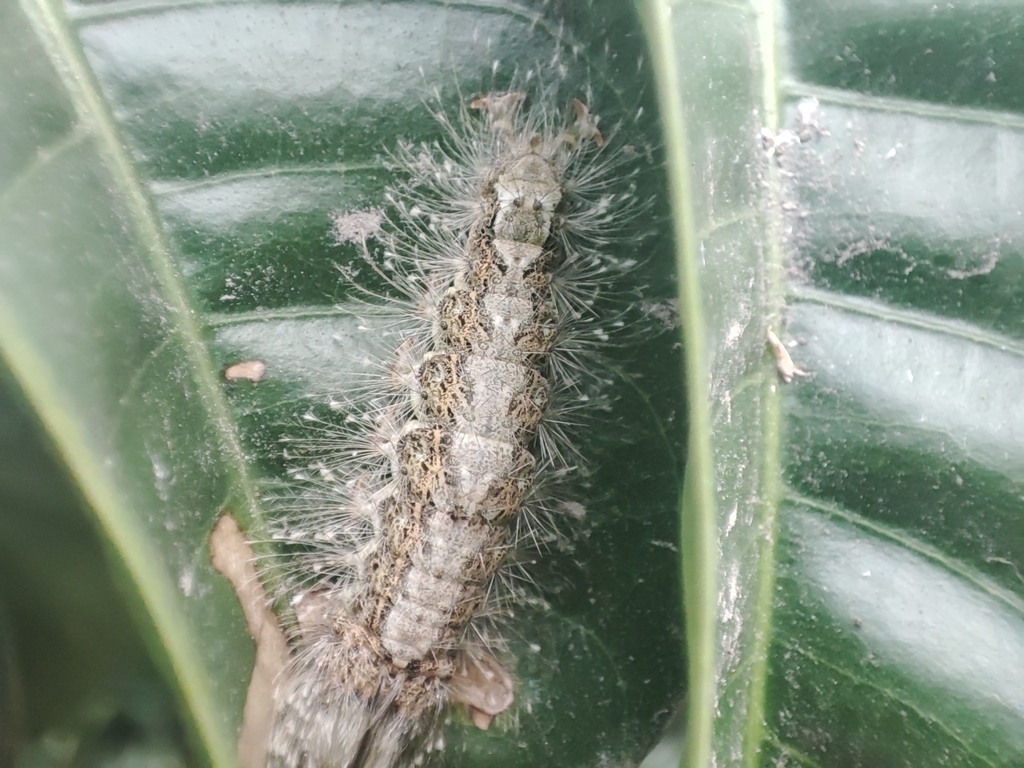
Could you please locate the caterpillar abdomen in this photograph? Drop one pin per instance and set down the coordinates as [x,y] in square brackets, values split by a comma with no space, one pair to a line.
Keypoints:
[429,513]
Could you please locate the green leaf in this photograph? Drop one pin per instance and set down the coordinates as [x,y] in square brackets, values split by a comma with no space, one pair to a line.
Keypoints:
[853,540]
[168,180]
[68,668]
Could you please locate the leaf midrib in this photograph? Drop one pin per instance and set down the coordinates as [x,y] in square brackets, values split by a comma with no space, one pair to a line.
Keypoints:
[52,27]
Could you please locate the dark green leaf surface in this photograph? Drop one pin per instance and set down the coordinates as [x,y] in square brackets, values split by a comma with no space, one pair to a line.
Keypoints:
[166,206]
[890,633]
[74,684]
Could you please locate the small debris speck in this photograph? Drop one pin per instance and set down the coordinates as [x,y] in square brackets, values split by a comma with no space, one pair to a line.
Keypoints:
[783,362]
[253,370]
[355,226]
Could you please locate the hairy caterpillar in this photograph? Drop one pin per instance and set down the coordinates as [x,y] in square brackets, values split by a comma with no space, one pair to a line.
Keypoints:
[420,498]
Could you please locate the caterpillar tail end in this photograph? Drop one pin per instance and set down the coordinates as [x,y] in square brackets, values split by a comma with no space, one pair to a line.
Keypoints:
[337,707]
[323,721]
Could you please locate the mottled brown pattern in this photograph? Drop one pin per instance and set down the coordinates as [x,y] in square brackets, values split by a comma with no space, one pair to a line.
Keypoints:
[497,308]
[442,390]
[528,405]
[462,324]
[422,462]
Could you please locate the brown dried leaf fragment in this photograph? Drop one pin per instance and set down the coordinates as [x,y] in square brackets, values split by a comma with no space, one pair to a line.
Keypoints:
[484,686]
[783,362]
[586,124]
[500,108]
[233,559]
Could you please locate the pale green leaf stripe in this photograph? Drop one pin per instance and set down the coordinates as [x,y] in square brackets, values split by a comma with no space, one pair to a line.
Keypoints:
[121,523]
